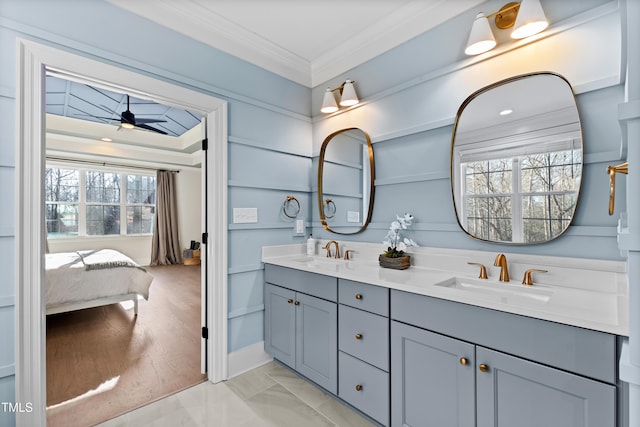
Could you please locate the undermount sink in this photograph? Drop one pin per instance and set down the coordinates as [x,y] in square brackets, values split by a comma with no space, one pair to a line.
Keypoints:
[514,294]
[318,262]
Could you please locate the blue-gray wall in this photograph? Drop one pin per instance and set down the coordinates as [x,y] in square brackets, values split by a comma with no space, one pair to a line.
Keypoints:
[410,98]
[269,139]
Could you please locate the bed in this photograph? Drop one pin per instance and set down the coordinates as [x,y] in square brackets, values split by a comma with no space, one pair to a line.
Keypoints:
[85,279]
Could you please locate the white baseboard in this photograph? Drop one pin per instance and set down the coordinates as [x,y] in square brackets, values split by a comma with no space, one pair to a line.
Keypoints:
[247,358]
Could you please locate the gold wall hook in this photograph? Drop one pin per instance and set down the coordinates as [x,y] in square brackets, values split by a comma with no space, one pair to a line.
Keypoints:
[291,200]
[612,171]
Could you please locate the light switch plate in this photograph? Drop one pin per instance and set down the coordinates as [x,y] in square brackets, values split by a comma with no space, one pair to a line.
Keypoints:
[245,215]
[353,216]
[299,228]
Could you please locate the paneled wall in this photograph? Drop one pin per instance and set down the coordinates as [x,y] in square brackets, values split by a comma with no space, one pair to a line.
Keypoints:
[269,141]
[411,123]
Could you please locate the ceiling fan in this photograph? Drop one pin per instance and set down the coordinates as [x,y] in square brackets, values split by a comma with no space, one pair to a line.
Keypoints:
[128,121]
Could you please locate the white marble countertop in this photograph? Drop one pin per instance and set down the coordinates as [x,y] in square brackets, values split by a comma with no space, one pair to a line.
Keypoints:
[590,294]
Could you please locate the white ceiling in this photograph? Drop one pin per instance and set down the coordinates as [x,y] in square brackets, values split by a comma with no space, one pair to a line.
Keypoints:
[307,41]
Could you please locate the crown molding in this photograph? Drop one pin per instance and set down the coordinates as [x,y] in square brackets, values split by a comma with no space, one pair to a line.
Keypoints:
[190,18]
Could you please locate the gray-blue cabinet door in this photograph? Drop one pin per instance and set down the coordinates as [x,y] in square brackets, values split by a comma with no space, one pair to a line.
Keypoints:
[432,379]
[280,323]
[515,392]
[317,341]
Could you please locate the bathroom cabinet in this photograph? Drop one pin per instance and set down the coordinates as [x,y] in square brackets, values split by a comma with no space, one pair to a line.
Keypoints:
[300,325]
[443,380]
[405,359]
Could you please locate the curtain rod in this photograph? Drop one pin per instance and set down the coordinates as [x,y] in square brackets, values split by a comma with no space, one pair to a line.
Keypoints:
[95,162]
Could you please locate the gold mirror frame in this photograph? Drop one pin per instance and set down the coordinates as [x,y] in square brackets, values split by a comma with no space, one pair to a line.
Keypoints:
[515,95]
[371,189]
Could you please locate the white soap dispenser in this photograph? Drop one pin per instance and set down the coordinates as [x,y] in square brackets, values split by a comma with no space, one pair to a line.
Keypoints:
[311,246]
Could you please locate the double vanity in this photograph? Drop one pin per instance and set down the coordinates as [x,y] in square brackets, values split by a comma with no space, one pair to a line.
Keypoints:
[461,338]
[437,345]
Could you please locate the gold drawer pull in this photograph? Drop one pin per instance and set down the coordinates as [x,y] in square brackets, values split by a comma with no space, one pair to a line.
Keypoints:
[358,336]
[358,387]
[464,361]
[483,367]
[297,303]
[289,301]
[358,296]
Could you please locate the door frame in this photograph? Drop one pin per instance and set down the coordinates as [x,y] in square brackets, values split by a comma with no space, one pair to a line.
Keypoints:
[34,60]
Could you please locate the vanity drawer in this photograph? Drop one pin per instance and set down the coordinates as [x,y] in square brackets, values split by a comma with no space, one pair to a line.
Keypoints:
[364,335]
[317,285]
[364,386]
[363,296]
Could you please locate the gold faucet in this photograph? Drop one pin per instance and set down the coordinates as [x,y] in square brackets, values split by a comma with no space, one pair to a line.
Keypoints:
[501,261]
[328,248]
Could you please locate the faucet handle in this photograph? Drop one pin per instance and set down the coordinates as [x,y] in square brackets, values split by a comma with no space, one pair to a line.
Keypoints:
[328,249]
[346,254]
[528,279]
[483,269]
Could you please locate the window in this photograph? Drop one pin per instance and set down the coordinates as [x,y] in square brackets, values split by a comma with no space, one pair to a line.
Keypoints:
[82,202]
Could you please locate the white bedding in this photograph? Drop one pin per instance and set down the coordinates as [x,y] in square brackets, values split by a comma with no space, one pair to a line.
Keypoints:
[68,280]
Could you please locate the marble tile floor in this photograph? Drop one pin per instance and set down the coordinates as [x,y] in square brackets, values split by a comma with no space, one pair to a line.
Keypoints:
[269,396]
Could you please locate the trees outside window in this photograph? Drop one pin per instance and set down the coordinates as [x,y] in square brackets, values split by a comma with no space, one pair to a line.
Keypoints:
[541,188]
[82,202]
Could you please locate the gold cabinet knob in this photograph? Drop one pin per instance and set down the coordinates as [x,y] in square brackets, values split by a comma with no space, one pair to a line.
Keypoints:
[358,387]
[358,336]
[464,361]
[483,367]
[289,301]
[358,296]
[297,303]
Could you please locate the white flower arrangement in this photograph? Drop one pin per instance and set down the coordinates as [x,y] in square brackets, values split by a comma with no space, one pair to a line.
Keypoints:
[396,246]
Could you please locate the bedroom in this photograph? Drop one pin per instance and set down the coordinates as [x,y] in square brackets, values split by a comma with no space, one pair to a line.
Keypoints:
[102,195]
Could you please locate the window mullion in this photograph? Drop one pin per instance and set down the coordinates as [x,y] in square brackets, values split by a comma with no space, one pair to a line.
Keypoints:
[82,206]
[123,206]
[517,222]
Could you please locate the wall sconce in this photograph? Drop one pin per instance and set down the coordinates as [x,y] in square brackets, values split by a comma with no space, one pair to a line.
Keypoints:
[527,18]
[348,97]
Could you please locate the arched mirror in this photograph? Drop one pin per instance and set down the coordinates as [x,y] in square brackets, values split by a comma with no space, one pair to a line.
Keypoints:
[345,181]
[516,160]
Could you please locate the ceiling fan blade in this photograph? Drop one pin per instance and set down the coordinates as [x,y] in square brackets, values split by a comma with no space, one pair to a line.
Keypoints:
[149,121]
[143,126]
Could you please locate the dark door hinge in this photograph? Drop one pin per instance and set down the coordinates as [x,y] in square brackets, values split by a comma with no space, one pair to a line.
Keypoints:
[205,332]
[205,237]
[205,144]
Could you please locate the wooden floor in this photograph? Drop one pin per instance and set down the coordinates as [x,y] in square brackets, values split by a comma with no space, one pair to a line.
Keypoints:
[103,362]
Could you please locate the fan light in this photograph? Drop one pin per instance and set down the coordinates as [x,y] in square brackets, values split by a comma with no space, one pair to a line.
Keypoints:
[348,97]
[527,18]
[127,125]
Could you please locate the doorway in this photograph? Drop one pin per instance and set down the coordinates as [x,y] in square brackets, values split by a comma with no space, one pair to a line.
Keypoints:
[34,61]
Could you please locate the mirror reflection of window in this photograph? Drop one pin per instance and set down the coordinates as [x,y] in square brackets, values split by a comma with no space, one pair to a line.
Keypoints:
[517,179]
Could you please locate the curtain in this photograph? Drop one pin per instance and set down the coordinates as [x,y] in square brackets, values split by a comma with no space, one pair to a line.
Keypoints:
[165,245]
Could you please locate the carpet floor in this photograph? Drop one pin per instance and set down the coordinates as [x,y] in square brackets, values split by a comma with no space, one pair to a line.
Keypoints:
[103,362]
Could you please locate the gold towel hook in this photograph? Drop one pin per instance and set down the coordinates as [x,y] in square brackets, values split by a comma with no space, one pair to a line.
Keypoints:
[287,201]
[329,205]
[612,171]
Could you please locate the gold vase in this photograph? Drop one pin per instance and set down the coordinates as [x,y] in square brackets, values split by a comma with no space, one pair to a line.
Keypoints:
[399,263]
